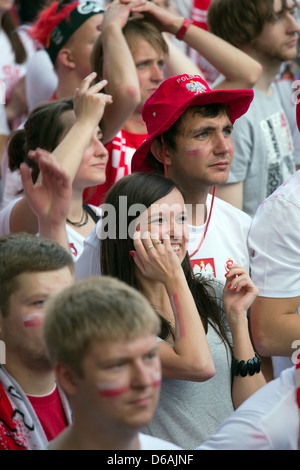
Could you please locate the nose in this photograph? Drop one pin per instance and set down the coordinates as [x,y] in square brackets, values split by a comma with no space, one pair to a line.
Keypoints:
[157,74]
[294,27]
[176,229]
[99,149]
[223,144]
[142,375]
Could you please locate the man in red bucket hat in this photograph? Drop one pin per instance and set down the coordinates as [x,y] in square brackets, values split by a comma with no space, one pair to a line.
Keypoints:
[189,128]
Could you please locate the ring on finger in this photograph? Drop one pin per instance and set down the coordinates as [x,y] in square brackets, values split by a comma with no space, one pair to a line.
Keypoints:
[157,243]
[149,247]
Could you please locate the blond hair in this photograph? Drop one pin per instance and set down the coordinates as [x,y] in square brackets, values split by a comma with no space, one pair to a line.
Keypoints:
[98,308]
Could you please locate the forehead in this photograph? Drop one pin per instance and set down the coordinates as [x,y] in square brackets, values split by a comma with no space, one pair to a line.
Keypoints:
[168,201]
[142,49]
[199,115]
[110,349]
[44,282]
[68,118]
[279,5]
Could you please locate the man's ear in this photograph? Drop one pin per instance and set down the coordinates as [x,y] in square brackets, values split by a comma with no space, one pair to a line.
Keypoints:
[65,57]
[157,150]
[67,378]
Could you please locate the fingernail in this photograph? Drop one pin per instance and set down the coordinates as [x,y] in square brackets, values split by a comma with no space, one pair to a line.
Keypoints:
[229,286]
[132,253]
[137,230]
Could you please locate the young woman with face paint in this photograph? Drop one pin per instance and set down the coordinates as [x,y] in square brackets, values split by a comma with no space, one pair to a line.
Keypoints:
[196,340]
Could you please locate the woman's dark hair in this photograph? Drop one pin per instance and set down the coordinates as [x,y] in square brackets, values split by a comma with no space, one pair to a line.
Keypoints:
[43,128]
[10,28]
[116,261]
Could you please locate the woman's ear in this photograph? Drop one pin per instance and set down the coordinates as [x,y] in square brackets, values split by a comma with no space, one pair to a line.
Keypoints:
[157,150]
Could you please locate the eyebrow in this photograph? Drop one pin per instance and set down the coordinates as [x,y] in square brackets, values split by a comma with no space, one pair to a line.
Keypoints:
[112,360]
[286,7]
[159,212]
[201,129]
[35,296]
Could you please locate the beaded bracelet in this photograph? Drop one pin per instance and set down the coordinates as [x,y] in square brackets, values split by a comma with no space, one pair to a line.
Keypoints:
[183,29]
[242,368]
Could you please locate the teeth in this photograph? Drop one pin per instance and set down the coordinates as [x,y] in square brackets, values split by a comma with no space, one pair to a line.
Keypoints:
[176,247]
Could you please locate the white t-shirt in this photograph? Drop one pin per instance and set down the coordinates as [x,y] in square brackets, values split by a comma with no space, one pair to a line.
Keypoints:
[267,420]
[41,79]
[10,71]
[274,244]
[88,264]
[75,239]
[154,443]
[4,129]
[226,238]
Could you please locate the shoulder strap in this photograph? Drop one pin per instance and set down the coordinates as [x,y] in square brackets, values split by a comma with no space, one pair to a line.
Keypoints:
[91,212]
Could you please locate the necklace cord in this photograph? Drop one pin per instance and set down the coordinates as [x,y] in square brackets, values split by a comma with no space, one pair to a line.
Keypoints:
[207,223]
[83,221]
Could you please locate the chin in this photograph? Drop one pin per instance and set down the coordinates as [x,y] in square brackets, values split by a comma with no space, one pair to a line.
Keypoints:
[139,422]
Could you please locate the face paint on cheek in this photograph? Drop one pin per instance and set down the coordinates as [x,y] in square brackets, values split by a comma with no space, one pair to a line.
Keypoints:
[157,379]
[192,151]
[175,302]
[110,390]
[33,320]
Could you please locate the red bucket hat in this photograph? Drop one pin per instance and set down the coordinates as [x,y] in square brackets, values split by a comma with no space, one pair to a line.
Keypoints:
[174,96]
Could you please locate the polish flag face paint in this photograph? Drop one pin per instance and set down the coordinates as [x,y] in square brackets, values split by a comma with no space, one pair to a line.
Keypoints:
[192,151]
[112,390]
[33,320]
[157,379]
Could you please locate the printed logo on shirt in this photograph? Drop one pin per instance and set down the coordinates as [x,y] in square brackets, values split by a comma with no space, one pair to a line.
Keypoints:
[205,266]
[279,145]
[73,249]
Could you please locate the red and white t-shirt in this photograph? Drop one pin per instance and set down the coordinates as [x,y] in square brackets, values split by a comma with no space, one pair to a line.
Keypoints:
[226,238]
[50,413]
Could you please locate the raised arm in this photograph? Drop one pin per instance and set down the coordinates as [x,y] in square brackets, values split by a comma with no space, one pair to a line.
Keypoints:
[239,69]
[49,199]
[118,68]
[238,295]
[89,106]
[275,325]
[189,358]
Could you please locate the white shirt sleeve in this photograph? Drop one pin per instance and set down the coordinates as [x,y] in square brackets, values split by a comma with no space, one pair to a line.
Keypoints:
[274,242]
[268,420]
